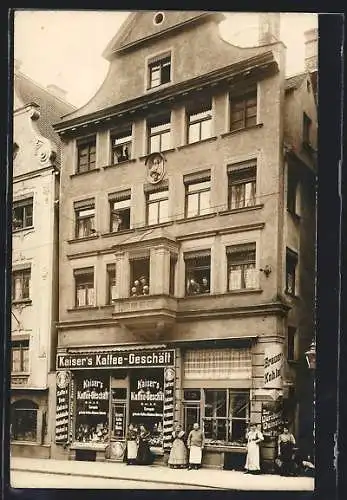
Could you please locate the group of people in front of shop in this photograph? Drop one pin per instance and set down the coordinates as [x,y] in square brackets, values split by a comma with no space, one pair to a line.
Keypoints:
[187,451]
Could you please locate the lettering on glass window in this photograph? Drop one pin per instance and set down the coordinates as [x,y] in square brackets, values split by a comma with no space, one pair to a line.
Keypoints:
[242,186]
[84,287]
[22,214]
[21,281]
[242,272]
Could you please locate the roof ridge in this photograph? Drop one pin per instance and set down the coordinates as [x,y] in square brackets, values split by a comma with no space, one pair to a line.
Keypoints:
[40,86]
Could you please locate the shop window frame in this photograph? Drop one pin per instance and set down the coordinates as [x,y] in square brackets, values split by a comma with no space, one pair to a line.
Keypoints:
[20,406]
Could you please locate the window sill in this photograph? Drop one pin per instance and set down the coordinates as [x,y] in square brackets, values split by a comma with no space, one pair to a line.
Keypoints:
[198,295]
[29,228]
[243,290]
[165,151]
[85,238]
[115,233]
[27,443]
[23,302]
[240,210]
[82,308]
[197,217]
[115,165]
[154,226]
[233,132]
[20,374]
[149,90]
[208,139]
[77,174]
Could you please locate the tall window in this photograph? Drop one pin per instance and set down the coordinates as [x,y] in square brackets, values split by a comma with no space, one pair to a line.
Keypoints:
[307,122]
[139,277]
[291,346]
[242,273]
[21,284]
[199,118]
[198,197]
[22,214]
[242,186]
[86,154]
[157,204]
[85,219]
[243,111]
[120,211]
[291,264]
[20,356]
[24,420]
[159,133]
[111,283]
[173,262]
[84,287]
[222,413]
[159,72]
[292,192]
[198,272]
[121,142]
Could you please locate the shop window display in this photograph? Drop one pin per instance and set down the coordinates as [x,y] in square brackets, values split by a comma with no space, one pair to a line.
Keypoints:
[24,421]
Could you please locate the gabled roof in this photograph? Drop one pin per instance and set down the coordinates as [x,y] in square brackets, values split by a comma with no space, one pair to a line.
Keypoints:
[140,26]
[51,107]
[293,82]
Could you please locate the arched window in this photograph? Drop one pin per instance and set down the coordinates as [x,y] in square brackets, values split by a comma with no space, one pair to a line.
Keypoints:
[24,420]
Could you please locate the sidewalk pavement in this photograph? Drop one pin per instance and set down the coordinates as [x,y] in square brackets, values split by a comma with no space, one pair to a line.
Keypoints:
[208,478]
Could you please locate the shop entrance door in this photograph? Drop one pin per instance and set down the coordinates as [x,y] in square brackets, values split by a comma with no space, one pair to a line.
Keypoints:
[119,407]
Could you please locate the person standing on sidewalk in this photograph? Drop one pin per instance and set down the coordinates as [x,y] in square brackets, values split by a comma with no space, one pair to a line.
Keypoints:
[131,447]
[196,443]
[144,454]
[254,438]
[178,455]
[286,443]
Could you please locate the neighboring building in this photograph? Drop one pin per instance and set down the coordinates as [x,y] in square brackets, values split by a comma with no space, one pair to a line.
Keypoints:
[36,169]
[187,238]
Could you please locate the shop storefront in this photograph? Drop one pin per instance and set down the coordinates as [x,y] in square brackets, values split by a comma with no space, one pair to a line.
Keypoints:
[99,394]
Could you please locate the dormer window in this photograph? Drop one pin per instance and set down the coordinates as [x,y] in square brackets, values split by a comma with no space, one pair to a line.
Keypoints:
[159,71]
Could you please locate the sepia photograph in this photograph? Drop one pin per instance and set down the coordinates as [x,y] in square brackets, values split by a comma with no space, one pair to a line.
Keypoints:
[163,287]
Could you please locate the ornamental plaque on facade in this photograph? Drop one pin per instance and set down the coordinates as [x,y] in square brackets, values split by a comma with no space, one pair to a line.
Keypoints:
[155,164]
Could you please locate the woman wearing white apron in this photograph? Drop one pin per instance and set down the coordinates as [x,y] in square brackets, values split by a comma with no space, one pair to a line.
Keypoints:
[132,446]
[254,438]
[196,443]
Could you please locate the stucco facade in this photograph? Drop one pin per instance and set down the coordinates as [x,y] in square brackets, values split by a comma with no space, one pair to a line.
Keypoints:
[249,320]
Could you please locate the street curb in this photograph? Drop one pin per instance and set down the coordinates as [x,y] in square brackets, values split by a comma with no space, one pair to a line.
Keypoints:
[45,471]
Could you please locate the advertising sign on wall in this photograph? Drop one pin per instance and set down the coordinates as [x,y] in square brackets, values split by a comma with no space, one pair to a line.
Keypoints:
[273,366]
[271,419]
[62,406]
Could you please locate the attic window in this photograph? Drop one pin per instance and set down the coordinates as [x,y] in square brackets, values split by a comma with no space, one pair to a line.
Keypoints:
[158,18]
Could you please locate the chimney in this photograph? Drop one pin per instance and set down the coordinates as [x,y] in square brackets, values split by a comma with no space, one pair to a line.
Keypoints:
[269,27]
[311,50]
[57,91]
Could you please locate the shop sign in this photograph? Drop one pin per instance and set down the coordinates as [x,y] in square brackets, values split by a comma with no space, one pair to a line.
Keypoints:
[62,406]
[271,419]
[121,359]
[273,364]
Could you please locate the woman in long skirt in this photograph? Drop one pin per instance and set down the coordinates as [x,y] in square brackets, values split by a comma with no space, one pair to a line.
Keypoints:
[254,438]
[131,448]
[286,443]
[144,454]
[196,443]
[178,457]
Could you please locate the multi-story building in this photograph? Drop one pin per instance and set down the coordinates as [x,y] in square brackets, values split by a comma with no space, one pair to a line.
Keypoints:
[36,168]
[187,235]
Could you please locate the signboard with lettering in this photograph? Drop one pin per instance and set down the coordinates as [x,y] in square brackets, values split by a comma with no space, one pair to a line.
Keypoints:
[119,359]
[273,365]
[271,419]
[92,407]
[62,407]
[147,402]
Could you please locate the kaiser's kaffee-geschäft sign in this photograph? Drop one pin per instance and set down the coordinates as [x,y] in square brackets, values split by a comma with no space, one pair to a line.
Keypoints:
[119,359]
